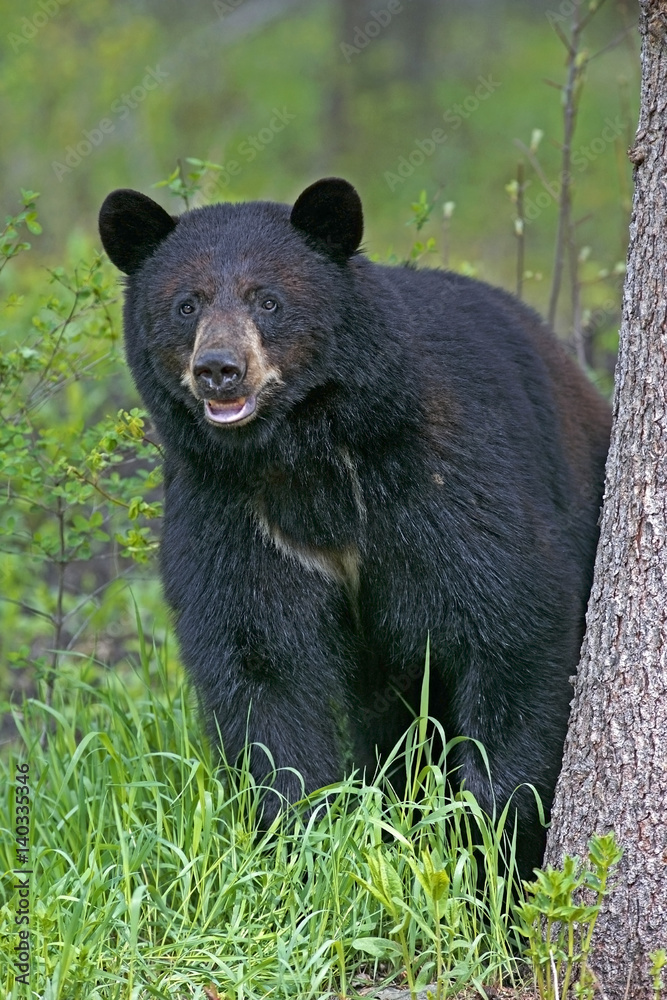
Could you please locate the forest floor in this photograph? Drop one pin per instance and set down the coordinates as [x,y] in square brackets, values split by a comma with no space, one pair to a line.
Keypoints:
[428,993]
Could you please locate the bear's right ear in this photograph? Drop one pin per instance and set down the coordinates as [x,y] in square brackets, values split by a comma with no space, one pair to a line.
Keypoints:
[131,227]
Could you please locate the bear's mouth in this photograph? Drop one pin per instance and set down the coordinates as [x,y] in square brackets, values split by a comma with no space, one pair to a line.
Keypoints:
[229,411]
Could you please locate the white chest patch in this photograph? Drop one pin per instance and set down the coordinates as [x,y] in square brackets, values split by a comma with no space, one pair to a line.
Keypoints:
[338,565]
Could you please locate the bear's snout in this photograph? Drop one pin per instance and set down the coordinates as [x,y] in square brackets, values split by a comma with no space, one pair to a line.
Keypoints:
[229,370]
[217,371]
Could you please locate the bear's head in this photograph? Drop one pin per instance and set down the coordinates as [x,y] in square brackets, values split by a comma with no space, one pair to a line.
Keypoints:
[232,309]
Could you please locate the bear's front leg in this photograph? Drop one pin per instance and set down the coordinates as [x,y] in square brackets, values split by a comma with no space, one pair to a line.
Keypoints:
[270,646]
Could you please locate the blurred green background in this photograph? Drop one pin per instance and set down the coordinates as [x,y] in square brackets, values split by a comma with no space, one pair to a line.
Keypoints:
[357,86]
[417,103]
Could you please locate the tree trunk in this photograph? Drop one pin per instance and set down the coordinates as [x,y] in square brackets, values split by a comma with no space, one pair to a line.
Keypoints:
[615,764]
[349,15]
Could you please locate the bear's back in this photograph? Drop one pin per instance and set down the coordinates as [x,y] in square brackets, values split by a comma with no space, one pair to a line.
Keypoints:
[487,361]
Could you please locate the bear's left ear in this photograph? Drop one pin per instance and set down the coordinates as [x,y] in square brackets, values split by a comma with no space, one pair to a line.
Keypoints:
[329,212]
[131,227]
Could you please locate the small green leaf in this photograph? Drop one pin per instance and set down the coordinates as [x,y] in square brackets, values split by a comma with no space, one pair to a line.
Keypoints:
[377,947]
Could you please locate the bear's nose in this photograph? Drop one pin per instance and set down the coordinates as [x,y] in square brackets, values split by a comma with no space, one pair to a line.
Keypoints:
[218,370]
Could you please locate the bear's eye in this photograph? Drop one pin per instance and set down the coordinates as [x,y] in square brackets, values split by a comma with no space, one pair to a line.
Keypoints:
[270,305]
[187,308]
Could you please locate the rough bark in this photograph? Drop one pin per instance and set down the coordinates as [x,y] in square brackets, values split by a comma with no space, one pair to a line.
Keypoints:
[615,764]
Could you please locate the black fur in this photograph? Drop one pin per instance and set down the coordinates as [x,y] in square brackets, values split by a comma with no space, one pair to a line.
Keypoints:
[131,227]
[426,421]
[329,214]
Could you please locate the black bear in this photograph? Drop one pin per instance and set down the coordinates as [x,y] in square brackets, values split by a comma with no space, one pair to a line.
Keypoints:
[358,457]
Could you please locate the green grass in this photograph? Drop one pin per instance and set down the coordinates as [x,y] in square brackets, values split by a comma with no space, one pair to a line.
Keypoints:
[152,881]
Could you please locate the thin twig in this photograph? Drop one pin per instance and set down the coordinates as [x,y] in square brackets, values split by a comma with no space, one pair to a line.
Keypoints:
[574,71]
[613,43]
[45,370]
[537,167]
[181,172]
[27,607]
[107,496]
[521,229]
[591,13]
[91,597]
[575,288]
